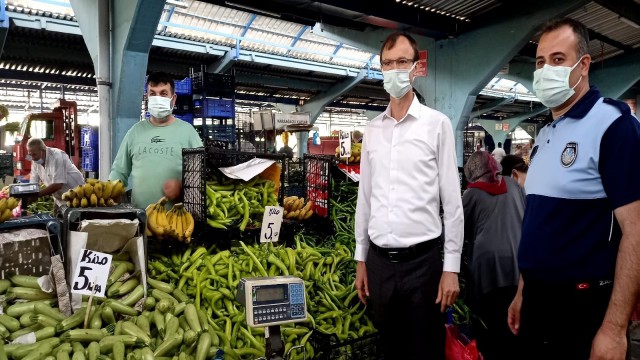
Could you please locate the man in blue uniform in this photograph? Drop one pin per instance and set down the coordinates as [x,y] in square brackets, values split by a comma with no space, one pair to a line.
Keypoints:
[579,255]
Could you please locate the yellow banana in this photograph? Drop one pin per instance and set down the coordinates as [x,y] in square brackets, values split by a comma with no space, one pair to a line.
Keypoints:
[93,200]
[161,215]
[3,204]
[79,191]
[12,203]
[107,189]
[6,215]
[152,222]
[84,202]
[111,202]
[118,187]
[307,215]
[75,202]
[98,189]
[88,190]
[92,181]
[307,207]
[101,202]
[189,224]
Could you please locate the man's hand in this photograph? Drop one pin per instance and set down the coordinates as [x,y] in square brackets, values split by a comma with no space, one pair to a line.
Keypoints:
[362,284]
[171,189]
[513,317]
[448,290]
[609,344]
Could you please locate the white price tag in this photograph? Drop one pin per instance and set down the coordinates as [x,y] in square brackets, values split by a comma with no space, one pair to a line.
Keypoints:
[271,222]
[91,273]
[345,144]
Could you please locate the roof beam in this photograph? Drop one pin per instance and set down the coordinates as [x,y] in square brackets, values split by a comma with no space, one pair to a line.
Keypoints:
[46,78]
[298,36]
[280,82]
[167,18]
[594,35]
[624,8]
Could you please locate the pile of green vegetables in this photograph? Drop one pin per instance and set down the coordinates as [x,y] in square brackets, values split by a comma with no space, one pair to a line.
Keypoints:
[238,203]
[210,279]
[43,205]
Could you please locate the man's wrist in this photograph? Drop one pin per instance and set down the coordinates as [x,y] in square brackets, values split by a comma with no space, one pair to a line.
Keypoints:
[613,327]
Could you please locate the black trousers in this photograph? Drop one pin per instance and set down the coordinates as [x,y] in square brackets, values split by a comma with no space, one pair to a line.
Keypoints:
[560,321]
[402,296]
[495,341]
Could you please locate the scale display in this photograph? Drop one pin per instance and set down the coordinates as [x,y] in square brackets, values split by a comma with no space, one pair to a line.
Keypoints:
[273,300]
[23,189]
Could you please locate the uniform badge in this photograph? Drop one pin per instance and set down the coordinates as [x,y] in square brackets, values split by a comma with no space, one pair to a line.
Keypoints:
[569,154]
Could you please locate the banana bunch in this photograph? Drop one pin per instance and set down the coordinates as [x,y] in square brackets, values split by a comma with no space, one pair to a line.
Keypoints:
[295,208]
[356,151]
[176,223]
[6,208]
[95,193]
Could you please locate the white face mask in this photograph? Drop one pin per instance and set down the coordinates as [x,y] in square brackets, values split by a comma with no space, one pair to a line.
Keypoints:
[160,107]
[551,84]
[397,82]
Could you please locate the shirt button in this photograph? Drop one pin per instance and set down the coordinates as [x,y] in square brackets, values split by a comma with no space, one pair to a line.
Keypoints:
[554,125]
[548,141]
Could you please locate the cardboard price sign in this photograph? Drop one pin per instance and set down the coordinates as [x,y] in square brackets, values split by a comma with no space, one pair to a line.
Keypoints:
[271,223]
[345,144]
[92,272]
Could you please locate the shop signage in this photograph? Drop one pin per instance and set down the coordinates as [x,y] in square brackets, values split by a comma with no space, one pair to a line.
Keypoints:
[421,65]
[91,273]
[282,120]
[271,222]
[345,144]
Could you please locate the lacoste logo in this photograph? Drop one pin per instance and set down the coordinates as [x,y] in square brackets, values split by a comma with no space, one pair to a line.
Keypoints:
[156,139]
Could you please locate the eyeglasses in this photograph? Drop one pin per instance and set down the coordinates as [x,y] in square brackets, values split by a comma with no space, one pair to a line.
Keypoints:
[402,63]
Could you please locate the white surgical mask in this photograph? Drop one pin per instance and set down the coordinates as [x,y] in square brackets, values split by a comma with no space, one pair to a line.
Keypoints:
[160,106]
[30,158]
[397,82]
[551,84]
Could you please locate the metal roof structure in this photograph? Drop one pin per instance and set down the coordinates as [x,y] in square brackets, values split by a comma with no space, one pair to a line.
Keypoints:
[280,57]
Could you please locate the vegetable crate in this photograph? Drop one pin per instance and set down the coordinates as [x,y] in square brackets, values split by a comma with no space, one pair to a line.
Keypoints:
[29,257]
[6,165]
[363,348]
[185,117]
[200,165]
[317,171]
[208,107]
[294,180]
[213,84]
[183,105]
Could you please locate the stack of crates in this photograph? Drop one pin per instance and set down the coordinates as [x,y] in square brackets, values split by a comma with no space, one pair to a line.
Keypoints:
[215,105]
[183,108]
[89,150]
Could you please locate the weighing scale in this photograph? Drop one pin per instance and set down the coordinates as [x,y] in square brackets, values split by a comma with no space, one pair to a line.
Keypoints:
[23,192]
[271,302]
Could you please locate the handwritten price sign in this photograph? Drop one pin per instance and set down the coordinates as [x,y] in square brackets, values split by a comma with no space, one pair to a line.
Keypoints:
[345,144]
[91,273]
[271,223]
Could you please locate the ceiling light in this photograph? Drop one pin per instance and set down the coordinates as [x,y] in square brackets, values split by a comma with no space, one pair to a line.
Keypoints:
[416,5]
[422,7]
[629,22]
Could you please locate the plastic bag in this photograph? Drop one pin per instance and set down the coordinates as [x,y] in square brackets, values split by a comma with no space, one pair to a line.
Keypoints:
[316,138]
[459,347]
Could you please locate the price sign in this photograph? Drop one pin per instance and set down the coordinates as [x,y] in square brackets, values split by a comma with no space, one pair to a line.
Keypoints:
[91,273]
[271,222]
[345,143]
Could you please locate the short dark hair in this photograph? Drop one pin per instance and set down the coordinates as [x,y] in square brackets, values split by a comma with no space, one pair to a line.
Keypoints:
[391,40]
[159,78]
[499,144]
[513,162]
[581,31]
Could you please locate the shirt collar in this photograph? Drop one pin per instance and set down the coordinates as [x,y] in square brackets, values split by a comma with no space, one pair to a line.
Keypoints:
[580,109]
[414,110]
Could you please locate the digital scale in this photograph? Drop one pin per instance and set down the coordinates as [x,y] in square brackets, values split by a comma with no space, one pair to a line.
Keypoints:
[24,192]
[271,302]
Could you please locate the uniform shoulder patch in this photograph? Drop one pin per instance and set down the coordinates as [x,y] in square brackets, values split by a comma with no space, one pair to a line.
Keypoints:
[622,106]
[569,154]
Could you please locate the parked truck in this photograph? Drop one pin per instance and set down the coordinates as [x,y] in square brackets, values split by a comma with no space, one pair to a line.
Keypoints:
[58,128]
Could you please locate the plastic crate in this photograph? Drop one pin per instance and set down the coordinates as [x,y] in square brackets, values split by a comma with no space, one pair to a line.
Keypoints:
[363,348]
[89,136]
[6,165]
[317,171]
[224,133]
[183,87]
[183,105]
[31,257]
[222,108]
[185,117]
[201,164]
[294,181]
[89,159]
[213,84]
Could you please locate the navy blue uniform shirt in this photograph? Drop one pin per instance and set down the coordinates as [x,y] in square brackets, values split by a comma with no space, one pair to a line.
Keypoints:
[585,165]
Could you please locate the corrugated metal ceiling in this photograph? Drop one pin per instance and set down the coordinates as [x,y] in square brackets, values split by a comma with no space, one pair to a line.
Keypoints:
[460,9]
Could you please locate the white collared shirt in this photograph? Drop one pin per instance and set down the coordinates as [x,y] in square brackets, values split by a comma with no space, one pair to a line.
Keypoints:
[57,169]
[407,168]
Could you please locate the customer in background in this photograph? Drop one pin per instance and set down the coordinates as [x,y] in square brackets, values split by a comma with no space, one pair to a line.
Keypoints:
[498,153]
[408,167]
[518,151]
[53,168]
[515,167]
[579,254]
[286,149]
[151,151]
[493,210]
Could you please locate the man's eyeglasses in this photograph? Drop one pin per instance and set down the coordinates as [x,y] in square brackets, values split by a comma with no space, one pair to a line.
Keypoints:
[402,63]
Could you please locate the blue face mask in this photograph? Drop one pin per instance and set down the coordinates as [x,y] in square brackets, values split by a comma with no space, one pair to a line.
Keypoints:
[30,158]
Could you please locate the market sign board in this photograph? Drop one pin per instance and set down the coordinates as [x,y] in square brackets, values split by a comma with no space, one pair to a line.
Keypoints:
[282,120]
[91,273]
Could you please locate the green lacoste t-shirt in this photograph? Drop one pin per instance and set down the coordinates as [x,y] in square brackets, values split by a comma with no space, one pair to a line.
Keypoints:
[150,155]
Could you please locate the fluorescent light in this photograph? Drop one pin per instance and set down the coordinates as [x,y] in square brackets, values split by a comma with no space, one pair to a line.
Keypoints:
[629,22]
[252,9]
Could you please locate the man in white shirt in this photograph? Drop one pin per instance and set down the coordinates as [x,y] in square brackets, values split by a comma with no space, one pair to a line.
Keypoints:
[499,153]
[53,168]
[408,167]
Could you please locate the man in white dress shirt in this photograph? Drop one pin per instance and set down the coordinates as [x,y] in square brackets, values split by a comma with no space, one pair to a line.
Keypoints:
[408,168]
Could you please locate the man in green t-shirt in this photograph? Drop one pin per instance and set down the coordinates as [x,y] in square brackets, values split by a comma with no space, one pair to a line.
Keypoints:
[151,152]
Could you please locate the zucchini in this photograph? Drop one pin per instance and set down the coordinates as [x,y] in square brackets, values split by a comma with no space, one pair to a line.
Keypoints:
[10,323]
[162,286]
[4,285]
[25,293]
[204,343]
[44,309]
[25,281]
[93,350]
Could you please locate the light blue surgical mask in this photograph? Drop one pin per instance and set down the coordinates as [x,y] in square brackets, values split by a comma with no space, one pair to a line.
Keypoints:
[30,158]
[397,82]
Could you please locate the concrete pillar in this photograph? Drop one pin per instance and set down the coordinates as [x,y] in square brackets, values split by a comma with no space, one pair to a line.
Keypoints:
[514,121]
[617,76]
[133,26]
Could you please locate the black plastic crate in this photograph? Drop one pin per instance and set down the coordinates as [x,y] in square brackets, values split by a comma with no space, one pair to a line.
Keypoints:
[6,165]
[317,171]
[183,105]
[213,84]
[217,108]
[220,132]
[294,181]
[201,164]
[328,347]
